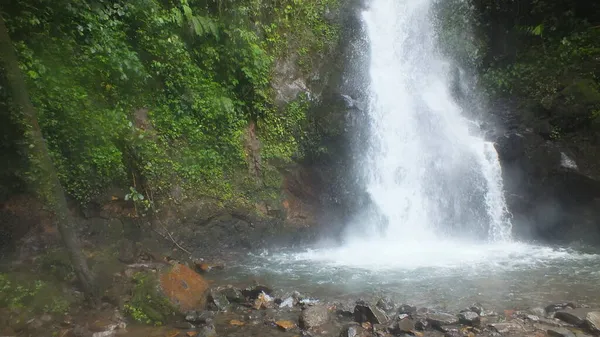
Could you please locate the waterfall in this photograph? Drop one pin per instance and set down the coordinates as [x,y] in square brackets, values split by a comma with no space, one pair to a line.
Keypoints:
[428,172]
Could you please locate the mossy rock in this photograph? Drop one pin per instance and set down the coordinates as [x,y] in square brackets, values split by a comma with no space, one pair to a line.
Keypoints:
[160,298]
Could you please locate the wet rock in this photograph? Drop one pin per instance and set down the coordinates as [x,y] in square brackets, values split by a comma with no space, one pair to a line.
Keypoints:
[252,293]
[203,267]
[354,330]
[235,322]
[421,324]
[127,251]
[207,331]
[574,316]
[533,318]
[453,333]
[202,317]
[108,333]
[233,295]
[469,318]
[287,303]
[183,325]
[405,325]
[285,325]
[364,312]
[218,300]
[345,308]
[441,319]
[313,316]
[560,332]
[407,309]
[592,321]
[507,327]
[386,304]
[477,308]
[551,322]
[185,288]
[263,301]
[538,311]
[558,307]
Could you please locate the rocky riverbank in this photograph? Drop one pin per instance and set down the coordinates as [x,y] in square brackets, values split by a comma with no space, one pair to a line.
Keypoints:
[170,298]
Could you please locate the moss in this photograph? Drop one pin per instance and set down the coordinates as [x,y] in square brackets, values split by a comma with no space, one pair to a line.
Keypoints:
[25,294]
[147,304]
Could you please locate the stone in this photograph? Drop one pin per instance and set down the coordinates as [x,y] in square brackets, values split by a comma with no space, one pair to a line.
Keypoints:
[354,330]
[533,318]
[185,288]
[477,308]
[538,311]
[108,333]
[421,324]
[592,321]
[263,301]
[345,308]
[405,325]
[407,309]
[287,303]
[235,322]
[560,332]
[386,304]
[364,312]
[218,300]
[233,295]
[203,317]
[441,319]
[127,251]
[574,316]
[469,318]
[559,306]
[506,327]
[313,316]
[252,293]
[207,331]
[285,325]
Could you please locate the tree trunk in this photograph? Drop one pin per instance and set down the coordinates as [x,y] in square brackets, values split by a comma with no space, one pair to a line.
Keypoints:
[49,184]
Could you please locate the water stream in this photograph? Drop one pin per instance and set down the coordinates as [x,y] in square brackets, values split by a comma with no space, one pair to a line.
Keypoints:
[439,232]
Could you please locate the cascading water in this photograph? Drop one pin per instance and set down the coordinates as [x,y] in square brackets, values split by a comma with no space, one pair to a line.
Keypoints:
[438,231]
[427,173]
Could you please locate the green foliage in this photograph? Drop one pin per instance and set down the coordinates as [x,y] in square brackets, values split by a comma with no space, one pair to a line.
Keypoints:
[201,71]
[147,305]
[31,296]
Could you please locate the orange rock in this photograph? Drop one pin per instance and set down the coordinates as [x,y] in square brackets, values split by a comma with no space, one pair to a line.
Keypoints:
[416,333]
[192,333]
[285,325]
[186,289]
[235,322]
[366,326]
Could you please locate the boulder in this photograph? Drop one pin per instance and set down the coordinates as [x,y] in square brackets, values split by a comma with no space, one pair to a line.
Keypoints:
[560,332]
[354,330]
[551,308]
[233,295]
[403,326]
[386,304]
[469,318]
[313,316]
[364,312]
[407,309]
[185,288]
[574,316]
[507,327]
[592,321]
[218,300]
[441,319]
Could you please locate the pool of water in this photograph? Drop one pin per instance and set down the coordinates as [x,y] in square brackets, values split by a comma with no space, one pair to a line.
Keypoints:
[449,275]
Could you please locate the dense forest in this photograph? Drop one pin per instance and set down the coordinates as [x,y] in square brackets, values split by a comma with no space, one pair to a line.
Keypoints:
[153,105]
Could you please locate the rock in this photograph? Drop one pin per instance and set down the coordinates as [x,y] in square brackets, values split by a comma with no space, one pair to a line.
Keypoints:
[263,301]
[364,312]
[354,330]
[560,332]
[235,322]
[407,309]
[204,267]
[532,318]
[287,303]
[421,324]
[313,316]
[345,309]
[477,308]
[127,251]
[441,319]
[207,331]
[233,295]
[183,325]
[559,306]
[386,304]
[218,300]
[551,322]
[538,311]
[285,325]
[195,317]
[506,327]
[252,293]
[405,325]
[185,288]
[592,321]
[453,333]
[574,316]
[469,318]
[108,333]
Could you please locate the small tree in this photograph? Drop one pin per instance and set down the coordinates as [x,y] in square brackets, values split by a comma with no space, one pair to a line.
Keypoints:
[49,184]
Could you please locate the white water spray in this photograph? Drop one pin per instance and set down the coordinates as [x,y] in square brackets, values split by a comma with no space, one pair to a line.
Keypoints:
[427,174]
